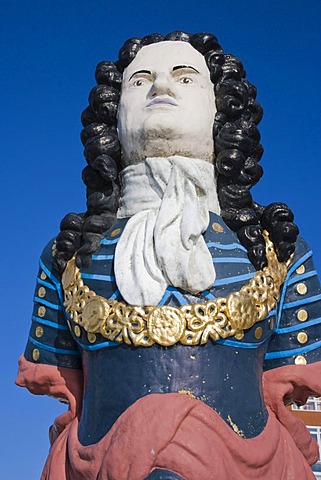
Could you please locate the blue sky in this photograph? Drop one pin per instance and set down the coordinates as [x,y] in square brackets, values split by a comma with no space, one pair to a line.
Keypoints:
[49,52]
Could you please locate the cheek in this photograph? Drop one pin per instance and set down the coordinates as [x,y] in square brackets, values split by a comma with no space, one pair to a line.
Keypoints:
[122,123]
[201,108]
[125,119]
[208,108]
[130,109]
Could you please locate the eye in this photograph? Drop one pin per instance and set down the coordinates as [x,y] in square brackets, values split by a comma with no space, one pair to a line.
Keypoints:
[138,83]
[186,80]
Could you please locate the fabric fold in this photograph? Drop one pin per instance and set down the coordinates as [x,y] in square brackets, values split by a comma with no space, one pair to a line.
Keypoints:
[168,201]
[176,432]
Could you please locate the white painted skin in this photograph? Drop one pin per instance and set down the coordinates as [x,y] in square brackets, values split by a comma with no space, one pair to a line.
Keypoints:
[167,105]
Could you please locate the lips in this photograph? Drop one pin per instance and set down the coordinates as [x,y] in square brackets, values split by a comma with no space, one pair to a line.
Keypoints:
[162,100]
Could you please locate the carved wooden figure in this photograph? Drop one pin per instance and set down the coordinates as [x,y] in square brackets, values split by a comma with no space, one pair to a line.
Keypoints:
[176,316]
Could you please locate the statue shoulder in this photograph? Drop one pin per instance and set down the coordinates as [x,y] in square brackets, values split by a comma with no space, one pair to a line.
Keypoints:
[302,249]
[47,258]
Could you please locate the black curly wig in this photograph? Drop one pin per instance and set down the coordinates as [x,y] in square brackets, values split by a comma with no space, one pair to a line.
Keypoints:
[237,155]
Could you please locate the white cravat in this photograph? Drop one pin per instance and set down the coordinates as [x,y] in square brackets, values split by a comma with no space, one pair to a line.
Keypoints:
[168,200]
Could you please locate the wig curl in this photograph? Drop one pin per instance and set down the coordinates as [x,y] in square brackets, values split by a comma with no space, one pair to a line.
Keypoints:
[237,155]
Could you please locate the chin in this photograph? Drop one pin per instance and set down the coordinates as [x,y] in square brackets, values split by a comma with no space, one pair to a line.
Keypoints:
[165,122]
[168,148]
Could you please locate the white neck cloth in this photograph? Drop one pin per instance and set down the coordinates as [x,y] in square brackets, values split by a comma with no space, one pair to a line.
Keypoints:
[168,200]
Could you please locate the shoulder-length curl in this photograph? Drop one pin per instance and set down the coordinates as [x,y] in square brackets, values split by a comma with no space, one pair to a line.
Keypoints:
[237,151]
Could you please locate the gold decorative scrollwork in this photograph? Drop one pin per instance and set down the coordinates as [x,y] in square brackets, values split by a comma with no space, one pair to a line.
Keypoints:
[166,326]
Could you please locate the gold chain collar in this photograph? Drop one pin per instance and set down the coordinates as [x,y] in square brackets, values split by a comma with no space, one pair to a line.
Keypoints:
[166,326]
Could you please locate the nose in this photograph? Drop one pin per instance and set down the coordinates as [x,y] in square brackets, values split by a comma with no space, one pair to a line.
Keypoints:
[162,85]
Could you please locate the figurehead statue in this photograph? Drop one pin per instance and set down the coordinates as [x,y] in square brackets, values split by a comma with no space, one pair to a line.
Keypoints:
[176,316]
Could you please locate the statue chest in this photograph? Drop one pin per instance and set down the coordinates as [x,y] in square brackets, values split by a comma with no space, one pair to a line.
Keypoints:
[221,372]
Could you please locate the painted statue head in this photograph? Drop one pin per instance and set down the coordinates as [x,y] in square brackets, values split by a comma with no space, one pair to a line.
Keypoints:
[142,106]
[167,104]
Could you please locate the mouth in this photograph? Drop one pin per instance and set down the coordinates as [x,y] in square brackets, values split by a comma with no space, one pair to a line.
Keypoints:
[161,101]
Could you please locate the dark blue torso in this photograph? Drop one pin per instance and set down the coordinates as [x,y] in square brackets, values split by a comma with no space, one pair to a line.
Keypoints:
[228,380]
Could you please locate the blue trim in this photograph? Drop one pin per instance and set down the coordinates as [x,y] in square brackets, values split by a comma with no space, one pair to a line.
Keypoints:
[53,279]
[302,276]
[58,326]
[305,301]
[114,295]
[46,284]
[103,257]
[240,344]
[231,260]
[231,246]
[48,304]
[106,241]
[281,303]
[299,262]
[291,353]
[302,326]
[49,274]
[96,276]
[99,346]
[180,298]
[166,295]
[52,349]
[238,278]
[209,295]
[285,285]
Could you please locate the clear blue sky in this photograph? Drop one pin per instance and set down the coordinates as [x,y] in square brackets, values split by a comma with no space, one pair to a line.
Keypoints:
[49,52]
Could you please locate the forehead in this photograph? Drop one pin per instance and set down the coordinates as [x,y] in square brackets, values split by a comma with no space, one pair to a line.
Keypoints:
[163,56]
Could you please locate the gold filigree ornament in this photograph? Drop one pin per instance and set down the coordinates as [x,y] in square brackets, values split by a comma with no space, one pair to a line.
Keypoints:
[189,324]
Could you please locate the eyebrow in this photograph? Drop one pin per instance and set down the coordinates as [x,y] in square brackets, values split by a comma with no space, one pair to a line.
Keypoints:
[140,71]
[177,67]
[181,67]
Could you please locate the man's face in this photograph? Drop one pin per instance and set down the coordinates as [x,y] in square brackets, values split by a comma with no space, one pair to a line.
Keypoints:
[167,104]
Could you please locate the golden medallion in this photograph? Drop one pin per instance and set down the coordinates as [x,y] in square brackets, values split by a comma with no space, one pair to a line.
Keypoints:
[94,314]
[241,310]
[165,325]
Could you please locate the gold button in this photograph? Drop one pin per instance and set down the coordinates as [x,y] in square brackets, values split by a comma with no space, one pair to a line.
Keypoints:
[39,332]
[301,288]
[41,292]
[258,333]
[239,336]
[77,331]
[302,315]
[300,360]
[35,354]
[91,337]
[42,311]
[43,276]
[302,337]
[300,269]
[217,227]
[115,232]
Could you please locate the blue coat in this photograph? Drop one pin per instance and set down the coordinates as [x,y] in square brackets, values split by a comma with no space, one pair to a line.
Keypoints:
[227,374]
